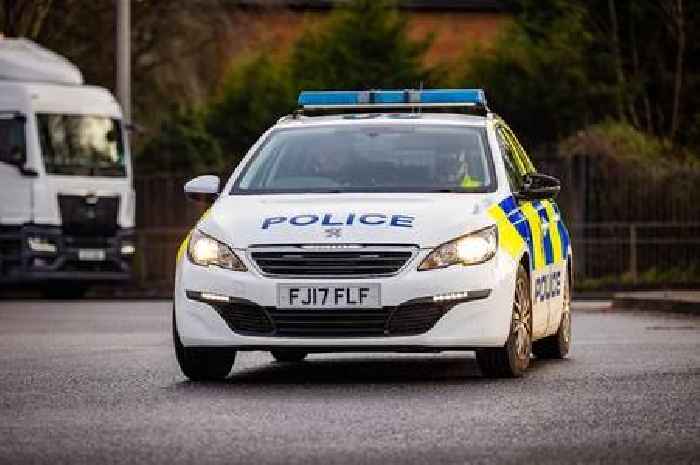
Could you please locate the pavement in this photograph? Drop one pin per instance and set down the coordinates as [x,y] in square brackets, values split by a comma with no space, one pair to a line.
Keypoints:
[680,301]
[95,382]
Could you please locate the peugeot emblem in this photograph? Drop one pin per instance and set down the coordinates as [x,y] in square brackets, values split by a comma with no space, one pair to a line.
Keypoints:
[333,232]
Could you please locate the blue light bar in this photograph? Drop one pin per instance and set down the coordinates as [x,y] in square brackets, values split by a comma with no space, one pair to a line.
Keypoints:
[434,97]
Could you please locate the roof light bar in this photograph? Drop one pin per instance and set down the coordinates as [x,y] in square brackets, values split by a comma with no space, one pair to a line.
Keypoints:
[392,98]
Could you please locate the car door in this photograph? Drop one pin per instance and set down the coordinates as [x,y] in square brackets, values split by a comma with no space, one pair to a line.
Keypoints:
[549,276]
[516,170]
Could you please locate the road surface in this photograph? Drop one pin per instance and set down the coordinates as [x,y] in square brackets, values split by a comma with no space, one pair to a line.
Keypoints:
[96,382]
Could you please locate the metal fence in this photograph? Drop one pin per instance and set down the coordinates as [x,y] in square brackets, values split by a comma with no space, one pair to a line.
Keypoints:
[626,226]
[626,253]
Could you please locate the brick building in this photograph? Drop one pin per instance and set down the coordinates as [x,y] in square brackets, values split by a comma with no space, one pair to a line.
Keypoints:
[457,24]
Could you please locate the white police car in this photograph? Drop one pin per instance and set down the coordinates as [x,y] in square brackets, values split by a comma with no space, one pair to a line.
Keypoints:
[377,221]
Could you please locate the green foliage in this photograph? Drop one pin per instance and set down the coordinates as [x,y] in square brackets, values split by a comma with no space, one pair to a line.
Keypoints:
[621,142]
[253,96]
[182,146]
[535,76]
[364,45]
[361,46]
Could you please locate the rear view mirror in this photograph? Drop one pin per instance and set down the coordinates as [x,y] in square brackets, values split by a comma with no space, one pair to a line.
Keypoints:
[203,189]
[539,186]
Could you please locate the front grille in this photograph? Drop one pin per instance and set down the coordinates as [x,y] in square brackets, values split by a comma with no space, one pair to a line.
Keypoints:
[86,216]
[360,262]
[403,320]
[330,323]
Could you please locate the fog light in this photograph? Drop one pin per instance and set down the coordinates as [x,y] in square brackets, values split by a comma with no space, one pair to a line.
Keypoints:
[128,248]
[213,297]
[40,244]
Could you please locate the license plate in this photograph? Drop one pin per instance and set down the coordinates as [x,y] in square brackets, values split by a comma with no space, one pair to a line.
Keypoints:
[332,296]
[92,255]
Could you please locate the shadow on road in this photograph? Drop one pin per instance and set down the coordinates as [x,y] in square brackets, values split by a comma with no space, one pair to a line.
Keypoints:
[365,371]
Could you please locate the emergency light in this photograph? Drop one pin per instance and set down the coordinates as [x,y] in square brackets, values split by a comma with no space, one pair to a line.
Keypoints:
[392,98]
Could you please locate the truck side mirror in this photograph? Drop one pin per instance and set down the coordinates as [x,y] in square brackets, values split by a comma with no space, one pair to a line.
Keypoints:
[539,186]
[203,189]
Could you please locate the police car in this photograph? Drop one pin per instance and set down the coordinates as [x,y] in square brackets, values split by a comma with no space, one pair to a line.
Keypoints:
[388,221]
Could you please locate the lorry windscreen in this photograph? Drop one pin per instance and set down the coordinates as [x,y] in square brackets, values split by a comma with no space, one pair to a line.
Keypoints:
[379,158]
[81,145]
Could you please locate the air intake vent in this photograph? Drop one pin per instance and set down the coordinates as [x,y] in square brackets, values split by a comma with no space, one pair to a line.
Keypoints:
[300,262]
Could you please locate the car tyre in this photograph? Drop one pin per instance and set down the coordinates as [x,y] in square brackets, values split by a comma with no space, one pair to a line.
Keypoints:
[201,364]
[512,360]
[558,344]
[288,356]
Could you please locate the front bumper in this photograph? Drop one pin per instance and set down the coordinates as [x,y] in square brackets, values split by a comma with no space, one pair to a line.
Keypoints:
[19,263]
[478,322]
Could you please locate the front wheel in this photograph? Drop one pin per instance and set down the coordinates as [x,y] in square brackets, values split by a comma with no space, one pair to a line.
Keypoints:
[511,360]
[199,363]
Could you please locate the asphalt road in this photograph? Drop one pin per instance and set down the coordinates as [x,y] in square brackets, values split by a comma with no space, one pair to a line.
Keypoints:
[96,382]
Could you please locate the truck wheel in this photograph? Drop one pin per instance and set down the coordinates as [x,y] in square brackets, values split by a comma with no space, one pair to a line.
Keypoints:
[558,344]
[511,360]
[201,364]
[288,355]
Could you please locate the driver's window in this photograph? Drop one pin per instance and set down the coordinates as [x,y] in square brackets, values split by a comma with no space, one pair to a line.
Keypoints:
[514,168]
[12,144]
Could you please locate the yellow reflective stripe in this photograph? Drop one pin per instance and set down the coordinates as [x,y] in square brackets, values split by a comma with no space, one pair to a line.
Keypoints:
[183,247]
[533,218]
[508,237]
[205,214]
[555,239]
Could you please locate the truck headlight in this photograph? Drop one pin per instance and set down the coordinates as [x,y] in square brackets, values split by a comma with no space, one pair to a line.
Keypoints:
[471,249]
[206,251]
[41,244]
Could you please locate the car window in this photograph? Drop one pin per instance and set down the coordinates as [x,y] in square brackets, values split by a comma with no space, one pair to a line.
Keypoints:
[370,158]
[520,151]
[514,168]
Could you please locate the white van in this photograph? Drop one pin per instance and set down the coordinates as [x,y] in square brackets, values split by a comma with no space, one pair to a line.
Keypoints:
[66,201]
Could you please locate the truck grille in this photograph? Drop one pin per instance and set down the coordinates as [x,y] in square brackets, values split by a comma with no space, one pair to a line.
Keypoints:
[88,216]
[364,261]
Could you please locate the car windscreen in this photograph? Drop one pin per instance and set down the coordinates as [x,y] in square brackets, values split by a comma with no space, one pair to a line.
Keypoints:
[396,158]
[81,145]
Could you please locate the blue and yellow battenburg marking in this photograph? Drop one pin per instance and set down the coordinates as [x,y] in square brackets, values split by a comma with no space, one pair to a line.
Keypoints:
[535,224]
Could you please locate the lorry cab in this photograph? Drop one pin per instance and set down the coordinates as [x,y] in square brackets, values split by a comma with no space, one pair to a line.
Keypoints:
[67,202]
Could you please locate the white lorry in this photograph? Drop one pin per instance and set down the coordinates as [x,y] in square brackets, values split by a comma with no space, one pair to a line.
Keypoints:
[66,195]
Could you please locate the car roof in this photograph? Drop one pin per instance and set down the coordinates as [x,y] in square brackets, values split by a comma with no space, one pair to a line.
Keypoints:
[301,121]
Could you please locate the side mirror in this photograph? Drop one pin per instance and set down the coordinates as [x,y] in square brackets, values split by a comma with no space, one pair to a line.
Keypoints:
[204,189]
[539,186]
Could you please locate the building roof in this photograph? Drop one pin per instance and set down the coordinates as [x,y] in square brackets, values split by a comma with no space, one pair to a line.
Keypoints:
[453,5]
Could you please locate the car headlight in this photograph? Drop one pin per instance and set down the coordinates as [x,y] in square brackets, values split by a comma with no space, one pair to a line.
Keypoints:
[205,251]
[470,249]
